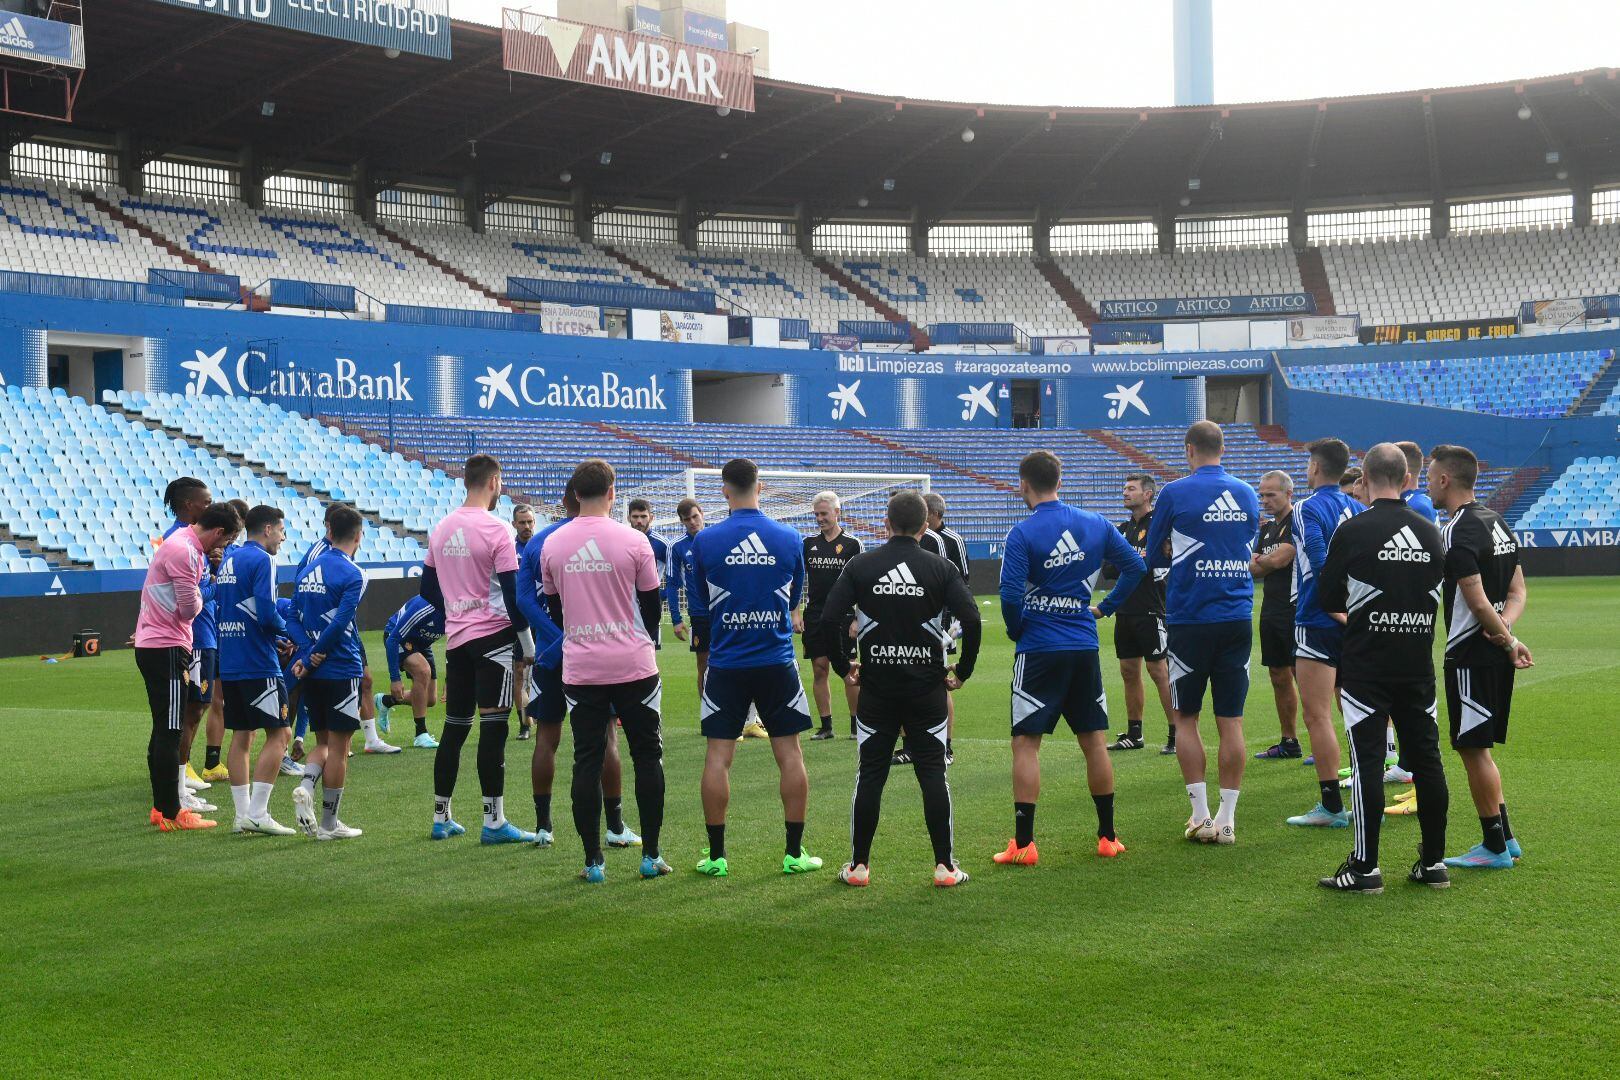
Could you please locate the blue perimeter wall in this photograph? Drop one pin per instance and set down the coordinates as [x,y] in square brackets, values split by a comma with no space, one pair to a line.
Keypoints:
[348,367]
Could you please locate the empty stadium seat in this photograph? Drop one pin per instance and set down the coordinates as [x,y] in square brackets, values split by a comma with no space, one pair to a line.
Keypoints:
[1529,385]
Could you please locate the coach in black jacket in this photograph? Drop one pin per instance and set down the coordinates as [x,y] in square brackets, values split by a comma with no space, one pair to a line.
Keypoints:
[902,596]
[1382,579]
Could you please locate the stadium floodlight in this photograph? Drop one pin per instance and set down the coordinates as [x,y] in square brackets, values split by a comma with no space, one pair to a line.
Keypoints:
[968,135]
[1185,201]
[785,495]
[1552,157]
[1524,112]
[566,177]
[722,110]
[725,155]
[392,54]
[606,158]
[863,202]
[1193,183]
[888,183]
[267,108]
[1562,174]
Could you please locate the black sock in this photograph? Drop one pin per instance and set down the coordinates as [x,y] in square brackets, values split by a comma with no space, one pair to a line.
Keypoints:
[421,725]
[542,812]
[614,805]
[1105,815]
[1024,823]
[1170,739]
[717,841]
[1495,840]
[852,725]
[1332,801]
[795,838]
[1507,830]
[211,758]
[826,722]
[1133,729]
[389,701]
[949,752]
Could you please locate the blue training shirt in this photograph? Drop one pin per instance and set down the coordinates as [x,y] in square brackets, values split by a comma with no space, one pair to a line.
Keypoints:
[751,568]
[1420,501]
[1210,519]
[414,627]
[1050,564]
[682,576]
[245,593]
[548,637]
[327,598]
[1312,526]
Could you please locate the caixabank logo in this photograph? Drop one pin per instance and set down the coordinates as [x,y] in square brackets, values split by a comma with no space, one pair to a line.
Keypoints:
[532,386]
[254,372]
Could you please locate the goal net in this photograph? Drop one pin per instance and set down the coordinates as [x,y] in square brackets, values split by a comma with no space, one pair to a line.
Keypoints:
[785,495]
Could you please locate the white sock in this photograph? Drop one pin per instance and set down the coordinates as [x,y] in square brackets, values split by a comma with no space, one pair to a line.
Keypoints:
[312,775]
[1389,742]
[495,812]
[441,809]
[370,728]
[1199,794]
[260,806]
[184,791]
[1228,811]
[240,796]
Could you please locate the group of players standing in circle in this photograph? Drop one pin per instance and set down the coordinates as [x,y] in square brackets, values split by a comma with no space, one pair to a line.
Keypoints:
[569,618]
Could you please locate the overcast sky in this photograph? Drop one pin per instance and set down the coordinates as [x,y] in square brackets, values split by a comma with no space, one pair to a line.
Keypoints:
[1083,52]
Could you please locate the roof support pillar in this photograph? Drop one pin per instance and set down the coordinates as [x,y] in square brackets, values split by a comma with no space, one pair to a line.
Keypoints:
[1298,229]
[919,233]
[1580,185]
[1439,219]
[1165,221]
[1041,234]
[250,169]
[686,223]
[471,190]
[584,223]
[365,196]
[126,147]
[804,230]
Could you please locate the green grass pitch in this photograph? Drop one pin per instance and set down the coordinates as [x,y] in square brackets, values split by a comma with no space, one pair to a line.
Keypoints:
[133,953]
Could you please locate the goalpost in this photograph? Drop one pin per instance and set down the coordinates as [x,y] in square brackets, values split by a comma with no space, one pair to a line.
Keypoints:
[784,494]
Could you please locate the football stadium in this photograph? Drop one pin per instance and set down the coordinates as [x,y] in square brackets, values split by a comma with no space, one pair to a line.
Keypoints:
[518,488]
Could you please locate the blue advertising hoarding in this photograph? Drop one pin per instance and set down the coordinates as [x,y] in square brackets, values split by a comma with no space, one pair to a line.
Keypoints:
[414,26]
[1209,307]
[646,19]
[44,41]
[705,30]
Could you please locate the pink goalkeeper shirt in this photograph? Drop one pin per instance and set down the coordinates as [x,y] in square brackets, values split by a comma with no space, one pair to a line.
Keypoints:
[597,566]
[468,551]
[170,598]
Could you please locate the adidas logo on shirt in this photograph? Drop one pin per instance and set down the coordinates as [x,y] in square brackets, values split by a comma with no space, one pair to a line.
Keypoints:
[1225,508]
[588,560]
[1065,552]
[750,552]
[1504,544]
[898,582]
[1404,547]
[456,546]
[14,36]
[313,582]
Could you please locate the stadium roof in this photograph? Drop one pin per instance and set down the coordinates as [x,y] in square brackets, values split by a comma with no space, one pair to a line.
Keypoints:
[189,82]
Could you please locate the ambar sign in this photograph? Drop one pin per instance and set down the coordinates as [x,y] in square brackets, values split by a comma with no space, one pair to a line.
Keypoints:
[559,49]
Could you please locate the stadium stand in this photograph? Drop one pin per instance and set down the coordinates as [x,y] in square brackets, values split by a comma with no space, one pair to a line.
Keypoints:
[964,289]
[1585,495]
[300,245]
[492,257]
[88,484]
[1197,272]
[341,468]
[1471,276]
[781,284]
[1535,385]
[46,229]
